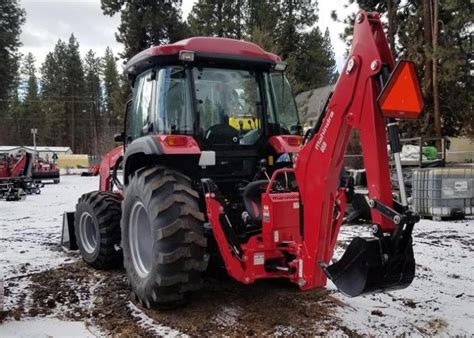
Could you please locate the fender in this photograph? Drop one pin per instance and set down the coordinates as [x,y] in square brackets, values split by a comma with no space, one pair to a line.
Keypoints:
[141,150]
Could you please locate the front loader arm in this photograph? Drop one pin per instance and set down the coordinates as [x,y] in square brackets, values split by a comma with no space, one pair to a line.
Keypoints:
[353,105]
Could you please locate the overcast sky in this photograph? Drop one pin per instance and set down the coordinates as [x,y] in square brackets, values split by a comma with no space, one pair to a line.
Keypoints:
[50,20]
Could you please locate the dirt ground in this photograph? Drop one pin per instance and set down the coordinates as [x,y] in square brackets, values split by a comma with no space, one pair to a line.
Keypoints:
[223,306]
[41,280]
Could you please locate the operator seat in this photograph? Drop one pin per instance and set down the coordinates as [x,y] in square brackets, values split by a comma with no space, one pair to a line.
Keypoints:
[221,134]
[252,197]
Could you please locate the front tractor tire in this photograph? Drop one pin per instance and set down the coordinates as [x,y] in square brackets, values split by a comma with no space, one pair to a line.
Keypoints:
[97,228]
[163,239]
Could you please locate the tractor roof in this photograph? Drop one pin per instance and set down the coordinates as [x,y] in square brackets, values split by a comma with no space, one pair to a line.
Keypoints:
[206,49]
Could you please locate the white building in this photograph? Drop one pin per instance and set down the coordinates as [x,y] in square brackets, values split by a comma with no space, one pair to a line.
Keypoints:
[44,152]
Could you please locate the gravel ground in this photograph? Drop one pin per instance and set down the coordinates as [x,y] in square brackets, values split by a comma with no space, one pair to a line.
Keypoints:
[51,292]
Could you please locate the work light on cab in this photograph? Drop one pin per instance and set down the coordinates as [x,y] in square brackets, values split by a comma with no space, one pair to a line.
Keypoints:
[186,56]
[280,66]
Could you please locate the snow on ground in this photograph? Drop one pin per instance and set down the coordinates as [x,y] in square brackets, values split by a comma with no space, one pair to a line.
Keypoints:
[440,299]
[30,230]
[151,325]
[45,327]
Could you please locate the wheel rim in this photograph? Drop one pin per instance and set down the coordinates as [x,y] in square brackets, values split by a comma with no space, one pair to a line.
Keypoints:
[141,243]
[88,232]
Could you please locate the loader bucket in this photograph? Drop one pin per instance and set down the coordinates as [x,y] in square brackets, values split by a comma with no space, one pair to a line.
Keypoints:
[68,237]
[366,267]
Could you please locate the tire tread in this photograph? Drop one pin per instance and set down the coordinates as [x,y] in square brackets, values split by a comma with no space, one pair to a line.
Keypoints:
[179,237]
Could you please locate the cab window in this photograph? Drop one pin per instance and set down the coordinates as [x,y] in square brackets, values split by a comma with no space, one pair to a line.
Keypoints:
[282,108]
[173,107]
[141,115]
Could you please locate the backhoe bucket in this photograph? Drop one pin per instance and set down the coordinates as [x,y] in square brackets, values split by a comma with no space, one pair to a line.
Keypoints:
[366,267]
[68,236]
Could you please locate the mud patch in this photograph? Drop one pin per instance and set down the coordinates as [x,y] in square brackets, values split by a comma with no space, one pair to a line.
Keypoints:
[223,307]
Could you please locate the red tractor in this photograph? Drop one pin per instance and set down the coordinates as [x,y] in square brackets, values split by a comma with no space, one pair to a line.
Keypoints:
[216,171]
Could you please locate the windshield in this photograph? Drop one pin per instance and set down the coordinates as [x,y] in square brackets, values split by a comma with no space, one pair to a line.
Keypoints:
[228,103]
[282,110]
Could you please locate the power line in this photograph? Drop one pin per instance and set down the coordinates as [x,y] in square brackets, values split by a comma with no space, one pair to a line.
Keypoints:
[51,101]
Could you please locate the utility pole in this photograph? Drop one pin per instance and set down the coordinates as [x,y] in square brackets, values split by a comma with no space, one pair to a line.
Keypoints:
[34,131]
[436,108]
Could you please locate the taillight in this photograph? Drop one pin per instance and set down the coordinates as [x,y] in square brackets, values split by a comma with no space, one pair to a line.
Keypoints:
[294,141]
[176,140]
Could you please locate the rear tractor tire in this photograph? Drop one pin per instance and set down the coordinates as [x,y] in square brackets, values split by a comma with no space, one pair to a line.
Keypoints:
[163,239]
[97,228]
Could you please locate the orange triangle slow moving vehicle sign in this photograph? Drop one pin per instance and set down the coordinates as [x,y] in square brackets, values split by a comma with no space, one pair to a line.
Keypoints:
[401,97]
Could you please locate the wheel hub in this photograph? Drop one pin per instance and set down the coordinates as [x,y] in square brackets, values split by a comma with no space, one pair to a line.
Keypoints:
[141,243]
[88,231]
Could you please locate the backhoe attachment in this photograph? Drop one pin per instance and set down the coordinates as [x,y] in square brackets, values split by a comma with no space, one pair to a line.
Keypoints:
[386,261]
[370,95]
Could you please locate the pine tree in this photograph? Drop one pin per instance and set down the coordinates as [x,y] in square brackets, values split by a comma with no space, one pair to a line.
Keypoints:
[113,100]
[295,16]
[11,19]
[313,64]
[145,23]
[443,55]
[217,18]
[74,95]
[330,58]
[52,93]
[13,123]
[261,16]
[263,39]
[31,113]
[94,126]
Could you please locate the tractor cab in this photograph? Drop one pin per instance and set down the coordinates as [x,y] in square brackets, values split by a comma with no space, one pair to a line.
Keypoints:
[231,97]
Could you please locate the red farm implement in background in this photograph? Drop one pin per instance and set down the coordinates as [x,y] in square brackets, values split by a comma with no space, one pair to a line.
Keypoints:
[216,172]
[44,171]
[15,177]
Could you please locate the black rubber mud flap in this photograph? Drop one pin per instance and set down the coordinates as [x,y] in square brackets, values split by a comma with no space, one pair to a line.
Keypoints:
[68,237]
[366,268]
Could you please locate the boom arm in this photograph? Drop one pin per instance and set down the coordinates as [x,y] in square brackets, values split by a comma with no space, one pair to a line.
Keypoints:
[353,105]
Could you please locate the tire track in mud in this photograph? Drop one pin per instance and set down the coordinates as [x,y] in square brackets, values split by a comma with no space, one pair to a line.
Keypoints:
[223,307]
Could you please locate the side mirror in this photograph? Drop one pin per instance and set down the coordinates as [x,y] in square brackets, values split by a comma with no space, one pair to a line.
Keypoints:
[119,137]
